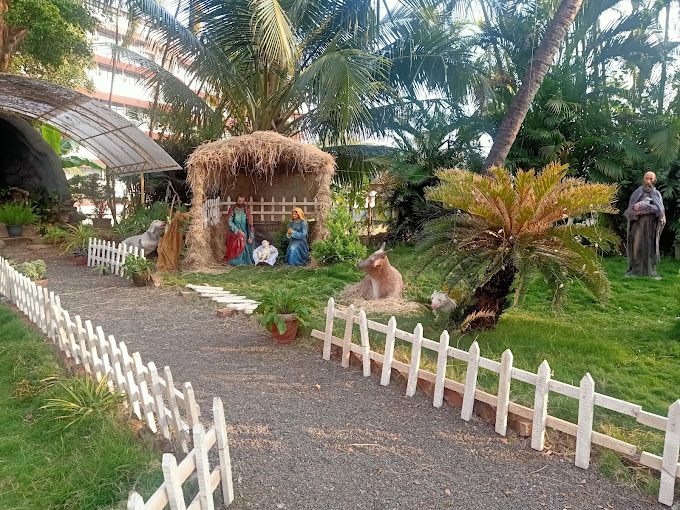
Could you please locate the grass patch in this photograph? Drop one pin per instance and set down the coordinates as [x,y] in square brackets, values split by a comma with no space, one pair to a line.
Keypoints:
[630,345]
[91,464]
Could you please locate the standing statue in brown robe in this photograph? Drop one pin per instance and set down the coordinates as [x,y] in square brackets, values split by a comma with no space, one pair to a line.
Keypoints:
[170,245]
[646,218]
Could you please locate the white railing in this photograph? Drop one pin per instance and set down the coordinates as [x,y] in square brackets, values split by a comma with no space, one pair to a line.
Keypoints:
[585,393]
[171,493]
[110,254]
[153,397]
[264,209]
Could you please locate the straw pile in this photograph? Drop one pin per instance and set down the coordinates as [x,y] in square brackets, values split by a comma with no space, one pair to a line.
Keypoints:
[398,305]
[214,166]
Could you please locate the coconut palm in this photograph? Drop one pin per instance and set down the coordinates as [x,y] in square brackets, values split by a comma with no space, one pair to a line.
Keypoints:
[508,226]
[323,67]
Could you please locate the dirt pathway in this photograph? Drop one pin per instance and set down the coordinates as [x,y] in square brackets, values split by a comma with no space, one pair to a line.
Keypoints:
[308,434]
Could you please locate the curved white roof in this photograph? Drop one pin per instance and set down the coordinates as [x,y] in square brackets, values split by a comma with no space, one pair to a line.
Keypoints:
[123,147]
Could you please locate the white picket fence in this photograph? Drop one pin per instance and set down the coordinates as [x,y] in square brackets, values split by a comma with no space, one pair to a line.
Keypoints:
[264,209]
[585,393]
[110,254]
[171,493]
[153,397]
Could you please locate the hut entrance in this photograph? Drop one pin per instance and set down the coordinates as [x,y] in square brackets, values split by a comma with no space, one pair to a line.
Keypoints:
[272,172]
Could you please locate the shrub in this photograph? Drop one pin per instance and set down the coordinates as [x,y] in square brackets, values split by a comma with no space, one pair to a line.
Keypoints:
[34,270]
[137,265]
[54,234]
[78,236]
[17,214]
[343,241]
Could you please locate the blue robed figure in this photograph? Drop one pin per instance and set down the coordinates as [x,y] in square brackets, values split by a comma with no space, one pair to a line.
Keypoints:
[297,253]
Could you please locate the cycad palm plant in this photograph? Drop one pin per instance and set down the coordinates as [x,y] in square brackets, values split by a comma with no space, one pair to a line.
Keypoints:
[507,226]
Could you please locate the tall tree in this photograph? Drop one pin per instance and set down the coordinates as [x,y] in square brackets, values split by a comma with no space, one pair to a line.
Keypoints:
[49,31]
[538,68]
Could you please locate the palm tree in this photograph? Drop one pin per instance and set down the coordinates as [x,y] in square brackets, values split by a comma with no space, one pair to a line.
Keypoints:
[323,67]
[538,68]
[509,226]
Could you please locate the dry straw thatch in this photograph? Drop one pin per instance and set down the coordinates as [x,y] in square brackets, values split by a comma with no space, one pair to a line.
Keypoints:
[215,166]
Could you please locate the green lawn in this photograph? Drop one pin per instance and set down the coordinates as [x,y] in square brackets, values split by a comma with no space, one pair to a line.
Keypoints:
[630,345]
[43,465]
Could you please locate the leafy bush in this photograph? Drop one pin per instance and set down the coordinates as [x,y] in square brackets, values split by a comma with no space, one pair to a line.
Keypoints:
[17,214]
[343,241]
[35,270]
[283,300]
[85,398]
[137,265]
[78,236]
[54,234]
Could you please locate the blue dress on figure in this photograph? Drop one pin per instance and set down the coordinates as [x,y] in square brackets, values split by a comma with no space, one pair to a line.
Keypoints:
[297,253]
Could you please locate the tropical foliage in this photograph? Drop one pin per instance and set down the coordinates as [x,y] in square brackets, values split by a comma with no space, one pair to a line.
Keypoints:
[279,301]
[508,226]
[342,243]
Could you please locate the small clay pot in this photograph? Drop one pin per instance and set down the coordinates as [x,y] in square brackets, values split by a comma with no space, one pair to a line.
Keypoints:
[15,230]
[140,280]
[41,283]
[101,222]
[288,336]
[80,260]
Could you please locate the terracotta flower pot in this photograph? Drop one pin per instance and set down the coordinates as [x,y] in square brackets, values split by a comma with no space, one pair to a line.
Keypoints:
[288,336]
[140,280]
[80,260]
[41,283]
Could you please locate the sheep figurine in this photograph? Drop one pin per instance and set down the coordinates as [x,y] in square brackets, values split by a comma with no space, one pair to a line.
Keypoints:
[148,241]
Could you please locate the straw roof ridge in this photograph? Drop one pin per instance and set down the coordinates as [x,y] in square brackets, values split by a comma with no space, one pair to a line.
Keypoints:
[260,154]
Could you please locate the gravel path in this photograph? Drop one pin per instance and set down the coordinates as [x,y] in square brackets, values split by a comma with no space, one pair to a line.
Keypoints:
[307,434]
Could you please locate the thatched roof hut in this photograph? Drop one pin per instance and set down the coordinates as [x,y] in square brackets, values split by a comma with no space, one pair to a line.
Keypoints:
[273,172]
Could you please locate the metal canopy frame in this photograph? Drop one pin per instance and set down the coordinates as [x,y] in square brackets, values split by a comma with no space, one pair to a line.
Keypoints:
[123,147]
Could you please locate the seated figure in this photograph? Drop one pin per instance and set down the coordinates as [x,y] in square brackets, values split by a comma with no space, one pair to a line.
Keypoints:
[265,253]
[298,249]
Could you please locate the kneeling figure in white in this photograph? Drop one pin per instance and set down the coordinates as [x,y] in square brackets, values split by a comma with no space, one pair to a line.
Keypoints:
[265,253]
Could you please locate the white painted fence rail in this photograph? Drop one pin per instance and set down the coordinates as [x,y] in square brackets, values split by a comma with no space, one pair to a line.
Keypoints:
[264,209]
[110,254]
[171,493]
[153,397]
[585,393]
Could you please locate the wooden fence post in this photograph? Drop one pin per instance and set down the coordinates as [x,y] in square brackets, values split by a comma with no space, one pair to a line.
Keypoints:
[389,352]
[202,469]
[173,485]
[85,355]
[347,339]
[75,348]
[416,350]
[470,382]
[540,406]
[442,360]
[192,408]
[365,343]
[671,448]
[223,451]
[504,380]
[174,409]
[135,502]
[96,360]
[158,397]
[586,408]
[328,336]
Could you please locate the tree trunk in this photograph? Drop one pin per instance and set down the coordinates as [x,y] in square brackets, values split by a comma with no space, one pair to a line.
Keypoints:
[662,82]
[492,297]
[552,39]
[10,39]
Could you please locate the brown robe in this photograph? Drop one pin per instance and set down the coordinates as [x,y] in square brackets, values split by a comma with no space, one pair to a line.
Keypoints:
[644,231]
[170,245]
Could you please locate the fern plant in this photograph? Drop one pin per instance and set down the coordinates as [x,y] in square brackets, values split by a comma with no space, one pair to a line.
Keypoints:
[281,301]
[77,237]
[508,226]
[343,243]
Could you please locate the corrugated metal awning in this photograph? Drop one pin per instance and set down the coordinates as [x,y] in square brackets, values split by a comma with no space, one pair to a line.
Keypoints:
[124,148]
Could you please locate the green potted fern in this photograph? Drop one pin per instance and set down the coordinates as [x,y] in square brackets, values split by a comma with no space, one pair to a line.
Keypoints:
[138,269]
[15,216]
[283,310]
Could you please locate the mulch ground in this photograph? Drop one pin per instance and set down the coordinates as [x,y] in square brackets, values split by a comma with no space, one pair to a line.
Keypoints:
[308,434]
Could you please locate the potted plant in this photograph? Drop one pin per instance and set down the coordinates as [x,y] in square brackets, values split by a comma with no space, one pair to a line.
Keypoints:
[90,187]
[15,216]
[283,310]
[139,269]
[77,239]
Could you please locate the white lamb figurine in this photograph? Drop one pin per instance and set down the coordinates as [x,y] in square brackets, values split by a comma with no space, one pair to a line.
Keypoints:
[148,241]
[441,302]
[265,253]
